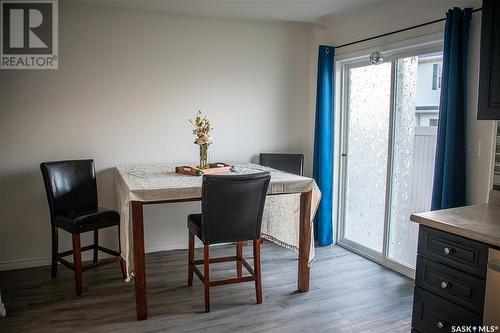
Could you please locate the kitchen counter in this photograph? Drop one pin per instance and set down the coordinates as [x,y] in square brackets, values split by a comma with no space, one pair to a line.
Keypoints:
[477,222]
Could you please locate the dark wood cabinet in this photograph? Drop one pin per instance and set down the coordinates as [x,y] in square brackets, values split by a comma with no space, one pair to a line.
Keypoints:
[455,251]
[435,314]
[451,284]
[489,73]
[449,281]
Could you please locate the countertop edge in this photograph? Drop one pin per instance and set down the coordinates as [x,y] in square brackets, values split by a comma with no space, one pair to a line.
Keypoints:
[453,229]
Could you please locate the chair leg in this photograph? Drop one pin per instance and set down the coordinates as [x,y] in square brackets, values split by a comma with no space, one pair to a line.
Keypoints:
[190,258]
[77,262]
[239,255]
[123,266]
[256,263]
[55,249]
[96,243]
[206,276]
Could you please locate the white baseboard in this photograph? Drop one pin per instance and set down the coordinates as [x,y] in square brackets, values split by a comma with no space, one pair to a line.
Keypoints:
[45,261]
[24,263]
[37,262]
[162,247]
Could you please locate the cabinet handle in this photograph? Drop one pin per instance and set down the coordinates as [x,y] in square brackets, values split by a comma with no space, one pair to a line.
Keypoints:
[444,284]
[440,324]
[447,251]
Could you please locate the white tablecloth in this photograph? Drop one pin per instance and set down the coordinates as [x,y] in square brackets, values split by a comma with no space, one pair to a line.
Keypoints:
[159,182]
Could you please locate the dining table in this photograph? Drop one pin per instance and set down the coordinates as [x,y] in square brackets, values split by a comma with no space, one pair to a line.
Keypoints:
[291,204]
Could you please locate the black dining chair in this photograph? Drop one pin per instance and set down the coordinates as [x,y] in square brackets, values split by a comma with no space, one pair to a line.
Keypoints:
[291,163]
[71,189]
[231,211]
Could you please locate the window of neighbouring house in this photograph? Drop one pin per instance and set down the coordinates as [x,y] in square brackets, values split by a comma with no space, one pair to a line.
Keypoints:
[428,89]
[436,76]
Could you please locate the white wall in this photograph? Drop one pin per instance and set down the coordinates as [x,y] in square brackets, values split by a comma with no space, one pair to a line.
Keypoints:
[128,82]
[393,15]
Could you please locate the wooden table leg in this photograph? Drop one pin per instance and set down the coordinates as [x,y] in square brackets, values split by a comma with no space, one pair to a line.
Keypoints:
[304,241]
[139,265]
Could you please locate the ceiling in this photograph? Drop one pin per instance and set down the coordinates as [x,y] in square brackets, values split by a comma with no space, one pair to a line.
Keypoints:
[310,11]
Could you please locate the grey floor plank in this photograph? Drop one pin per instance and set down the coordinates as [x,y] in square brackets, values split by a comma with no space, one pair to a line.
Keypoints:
[348,294]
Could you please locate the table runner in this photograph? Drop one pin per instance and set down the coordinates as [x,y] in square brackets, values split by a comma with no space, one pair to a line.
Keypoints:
[159,182]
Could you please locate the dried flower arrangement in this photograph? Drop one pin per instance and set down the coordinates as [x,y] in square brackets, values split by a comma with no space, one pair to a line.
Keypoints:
[201,131]
[202,128]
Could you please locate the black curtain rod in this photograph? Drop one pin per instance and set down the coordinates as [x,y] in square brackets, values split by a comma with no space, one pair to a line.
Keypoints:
[398,31]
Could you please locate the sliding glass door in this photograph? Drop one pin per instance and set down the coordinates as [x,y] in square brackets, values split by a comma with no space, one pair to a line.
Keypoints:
[366,156]
[390,115]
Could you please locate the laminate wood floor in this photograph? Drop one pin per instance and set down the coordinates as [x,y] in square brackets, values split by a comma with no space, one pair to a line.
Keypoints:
[348,294]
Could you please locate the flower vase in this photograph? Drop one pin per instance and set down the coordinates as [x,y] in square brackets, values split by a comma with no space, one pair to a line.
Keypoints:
[203,157]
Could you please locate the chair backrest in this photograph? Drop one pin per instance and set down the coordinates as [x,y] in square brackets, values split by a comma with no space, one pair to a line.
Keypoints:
[70,185]
[232,207]
[291,163]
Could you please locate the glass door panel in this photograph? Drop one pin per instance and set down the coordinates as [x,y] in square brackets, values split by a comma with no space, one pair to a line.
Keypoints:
[369,95]
[417,90]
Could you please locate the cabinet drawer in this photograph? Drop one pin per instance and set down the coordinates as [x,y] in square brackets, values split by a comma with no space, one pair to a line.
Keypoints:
[460,288]
[458,252]
[432,313]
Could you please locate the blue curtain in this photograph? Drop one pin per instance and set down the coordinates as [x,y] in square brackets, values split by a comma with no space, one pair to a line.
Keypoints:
[323,145]
[449,173]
